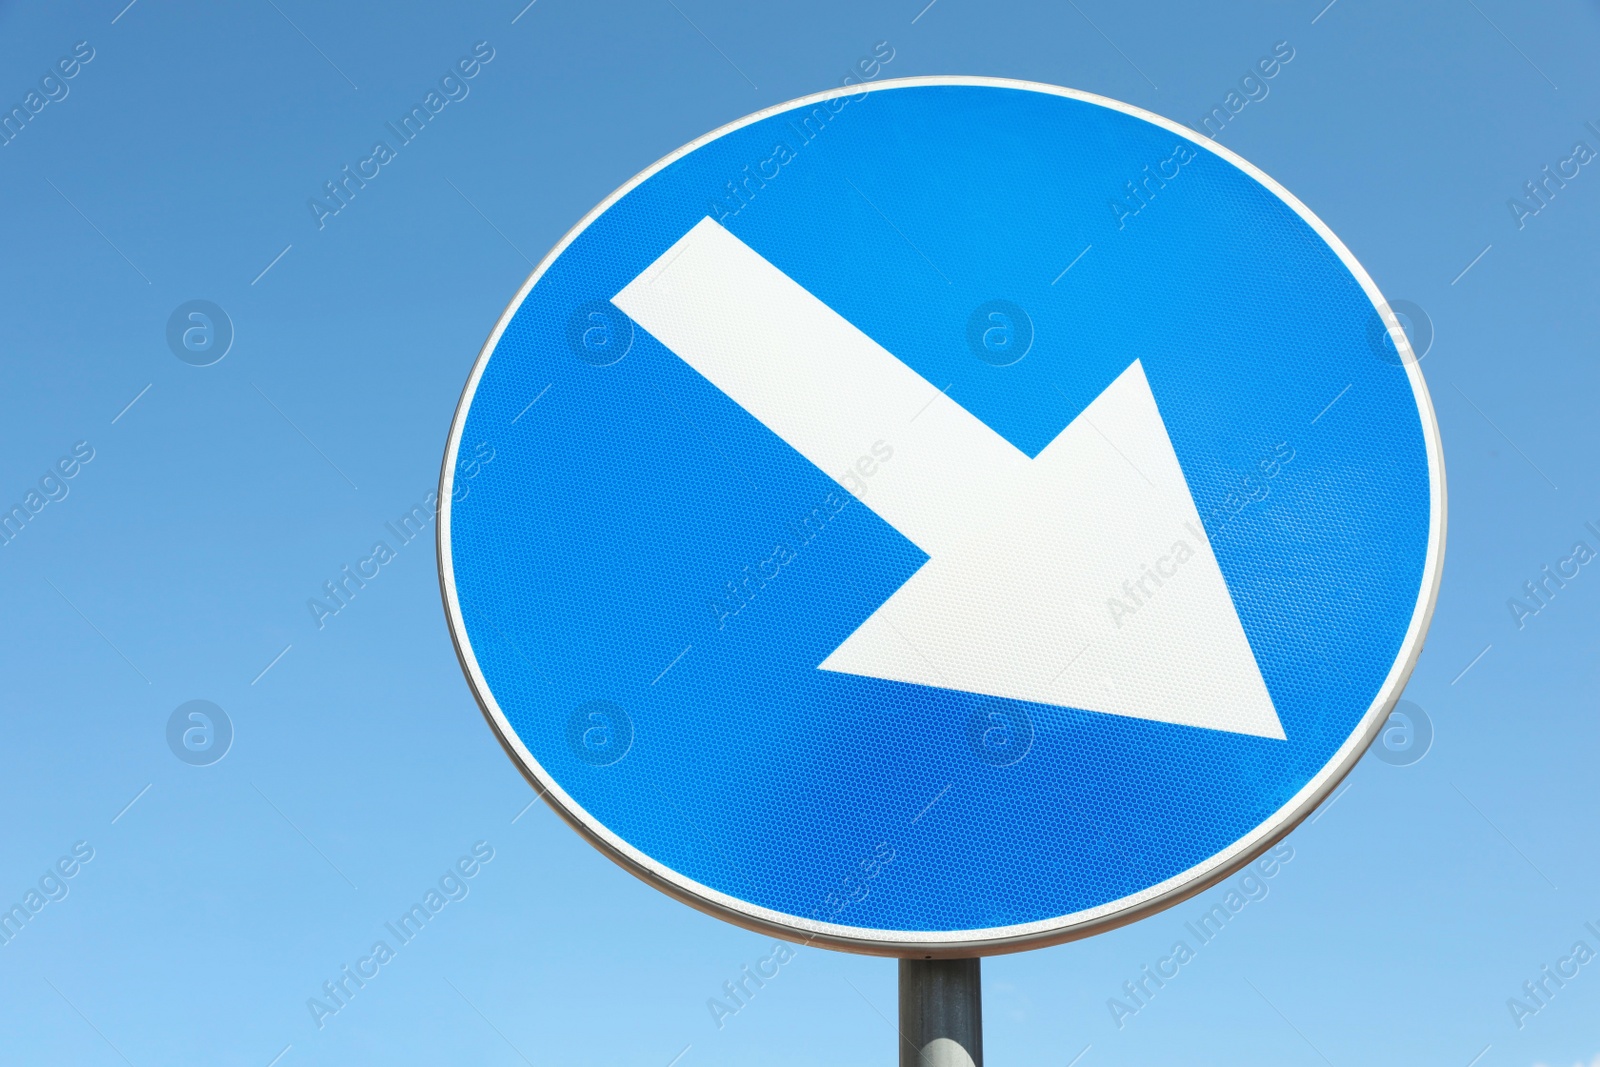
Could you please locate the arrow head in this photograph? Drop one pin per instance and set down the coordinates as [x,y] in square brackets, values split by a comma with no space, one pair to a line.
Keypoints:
[1092,585]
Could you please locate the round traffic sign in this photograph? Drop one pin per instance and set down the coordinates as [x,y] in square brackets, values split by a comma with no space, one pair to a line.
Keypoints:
[943,517]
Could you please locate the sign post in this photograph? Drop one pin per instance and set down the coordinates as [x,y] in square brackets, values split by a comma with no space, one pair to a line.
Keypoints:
[941,1013]
[944,518]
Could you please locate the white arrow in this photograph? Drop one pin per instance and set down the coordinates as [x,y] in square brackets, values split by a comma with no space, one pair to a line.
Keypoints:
[1081,578]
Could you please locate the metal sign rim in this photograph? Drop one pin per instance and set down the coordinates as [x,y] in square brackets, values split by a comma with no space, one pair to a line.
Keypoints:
[996,940]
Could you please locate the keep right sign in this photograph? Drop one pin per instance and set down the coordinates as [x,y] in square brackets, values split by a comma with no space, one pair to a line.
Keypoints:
[1011,515]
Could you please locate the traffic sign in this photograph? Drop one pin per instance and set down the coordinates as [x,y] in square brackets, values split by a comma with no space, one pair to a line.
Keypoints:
[946,517]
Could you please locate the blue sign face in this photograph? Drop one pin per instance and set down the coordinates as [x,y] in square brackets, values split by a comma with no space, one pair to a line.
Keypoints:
[948,518]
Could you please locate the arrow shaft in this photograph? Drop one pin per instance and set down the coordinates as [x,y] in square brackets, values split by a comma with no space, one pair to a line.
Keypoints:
[827,389]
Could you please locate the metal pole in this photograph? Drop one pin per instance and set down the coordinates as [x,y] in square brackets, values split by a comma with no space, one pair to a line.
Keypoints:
[941,1013]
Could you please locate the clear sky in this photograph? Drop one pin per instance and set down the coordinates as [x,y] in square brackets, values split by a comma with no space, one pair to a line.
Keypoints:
[206,504]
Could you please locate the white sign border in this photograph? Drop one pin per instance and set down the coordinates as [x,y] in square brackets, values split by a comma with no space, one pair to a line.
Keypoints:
[995,940]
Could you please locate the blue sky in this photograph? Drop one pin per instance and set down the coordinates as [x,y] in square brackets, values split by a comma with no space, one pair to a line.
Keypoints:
[174,564]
